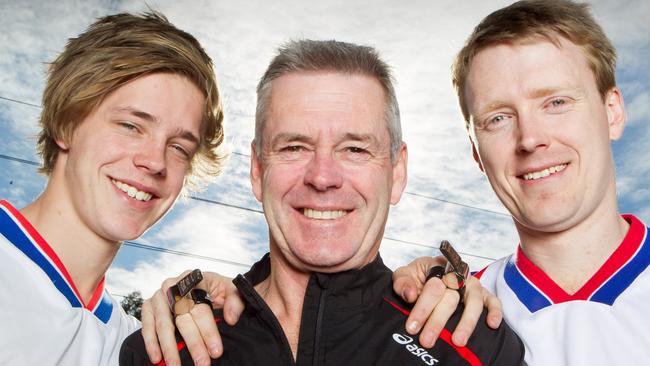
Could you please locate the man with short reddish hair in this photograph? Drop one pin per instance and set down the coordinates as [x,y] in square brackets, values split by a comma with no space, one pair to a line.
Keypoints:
[537,88]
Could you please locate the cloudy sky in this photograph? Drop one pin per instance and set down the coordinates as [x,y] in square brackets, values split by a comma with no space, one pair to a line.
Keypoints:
[221,229]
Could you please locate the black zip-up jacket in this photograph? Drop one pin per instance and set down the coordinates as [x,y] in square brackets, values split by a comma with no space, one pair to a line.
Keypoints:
[348,318]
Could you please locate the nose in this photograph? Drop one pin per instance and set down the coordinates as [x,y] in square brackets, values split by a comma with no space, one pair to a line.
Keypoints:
[531,133]
[151,158]
[323,172]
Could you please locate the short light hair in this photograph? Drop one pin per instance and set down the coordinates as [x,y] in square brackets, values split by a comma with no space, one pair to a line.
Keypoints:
[112,52]
[315,56]
[550,19]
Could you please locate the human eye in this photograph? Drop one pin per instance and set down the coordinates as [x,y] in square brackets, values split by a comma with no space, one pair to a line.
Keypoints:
[127,125]
[496,121]
[557,105]
[291,151]
[292,148]
[356,150]
[356,153]
[181,151]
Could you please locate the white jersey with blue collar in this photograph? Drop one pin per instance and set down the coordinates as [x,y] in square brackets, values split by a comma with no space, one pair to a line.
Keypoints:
[44,321]
[606,322]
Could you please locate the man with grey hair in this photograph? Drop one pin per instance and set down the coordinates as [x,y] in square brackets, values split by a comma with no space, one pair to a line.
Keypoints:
[326,163]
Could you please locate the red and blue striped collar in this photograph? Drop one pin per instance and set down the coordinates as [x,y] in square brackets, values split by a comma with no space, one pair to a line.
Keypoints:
[15,227]
[536,290]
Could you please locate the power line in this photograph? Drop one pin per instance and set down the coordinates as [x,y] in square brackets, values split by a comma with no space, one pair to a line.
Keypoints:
[206,200]
[457,204]
[213,259]
[428,197]
[197,198]
[432,247]
[24,161]
[135,244]
[225,204]
[248,156]
[20,102]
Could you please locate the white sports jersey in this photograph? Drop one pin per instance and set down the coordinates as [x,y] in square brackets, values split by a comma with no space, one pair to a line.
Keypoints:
[606,322]
[43,319]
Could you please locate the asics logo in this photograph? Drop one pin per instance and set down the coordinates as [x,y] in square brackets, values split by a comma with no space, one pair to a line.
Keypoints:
[415,349]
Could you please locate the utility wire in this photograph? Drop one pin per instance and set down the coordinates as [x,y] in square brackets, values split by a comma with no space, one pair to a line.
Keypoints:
[20,102]
[135,244]
[248,156]
[457,204]
[24,161]
[197,198]
[206,200]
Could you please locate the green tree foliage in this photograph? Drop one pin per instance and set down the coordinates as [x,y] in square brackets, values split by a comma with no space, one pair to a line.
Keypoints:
[132,304]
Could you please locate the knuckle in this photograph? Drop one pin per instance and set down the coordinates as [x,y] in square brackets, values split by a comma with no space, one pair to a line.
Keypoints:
[435,287]
[201,359]
[168,283]
[146,304]
[419,312]
[182,319]
[452,297]
[199,310]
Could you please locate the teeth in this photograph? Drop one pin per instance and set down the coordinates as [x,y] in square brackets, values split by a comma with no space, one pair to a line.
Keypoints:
[544,173]
[323,215]
[132,191]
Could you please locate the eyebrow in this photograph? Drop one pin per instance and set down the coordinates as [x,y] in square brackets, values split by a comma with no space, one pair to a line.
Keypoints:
[180,132]
[189,136]
[493,105]
[292,137]
[536,93]
[544,92]
[289,137]
[137,113]
[361,137]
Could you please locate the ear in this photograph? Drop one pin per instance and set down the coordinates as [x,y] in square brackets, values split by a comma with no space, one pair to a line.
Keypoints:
[62,143]
[477,159]
[616,117]
[400,174]
[256,173]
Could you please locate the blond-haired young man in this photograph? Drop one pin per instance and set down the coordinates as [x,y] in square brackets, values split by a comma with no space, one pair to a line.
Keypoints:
[131,112]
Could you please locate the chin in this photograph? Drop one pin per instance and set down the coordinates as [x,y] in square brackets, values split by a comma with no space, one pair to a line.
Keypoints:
[324,261]
[547,223]
[124,232]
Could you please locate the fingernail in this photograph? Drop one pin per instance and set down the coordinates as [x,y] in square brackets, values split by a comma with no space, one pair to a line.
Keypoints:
[493,322]
[214,350]
[460,339]
[413,326]
[426,339]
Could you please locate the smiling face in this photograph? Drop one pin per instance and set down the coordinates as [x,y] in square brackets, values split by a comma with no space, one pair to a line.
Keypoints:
[541,132]
[125,164]
[325,177]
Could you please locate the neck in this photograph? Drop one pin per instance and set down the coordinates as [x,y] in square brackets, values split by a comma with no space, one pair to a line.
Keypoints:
[572,256]
[284,292]
[85,255]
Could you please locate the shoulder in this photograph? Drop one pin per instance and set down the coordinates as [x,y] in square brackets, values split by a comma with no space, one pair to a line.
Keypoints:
[133,351]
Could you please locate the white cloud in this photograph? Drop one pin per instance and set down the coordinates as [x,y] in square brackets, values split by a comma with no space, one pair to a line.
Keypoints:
[638,109]
[205,230]
[418,38]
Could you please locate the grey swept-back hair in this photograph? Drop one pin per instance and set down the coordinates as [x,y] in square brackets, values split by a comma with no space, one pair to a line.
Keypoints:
[313,56]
